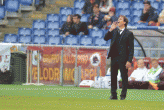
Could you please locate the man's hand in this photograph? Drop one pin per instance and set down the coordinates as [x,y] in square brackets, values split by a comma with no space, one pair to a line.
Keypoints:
[128,65]
[67,33]
[144,10]
[141,21]
[132,78]
[82,12]
[113,26]
[90,26]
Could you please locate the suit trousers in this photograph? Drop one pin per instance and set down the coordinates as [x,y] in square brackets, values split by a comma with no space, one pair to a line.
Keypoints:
[116,64]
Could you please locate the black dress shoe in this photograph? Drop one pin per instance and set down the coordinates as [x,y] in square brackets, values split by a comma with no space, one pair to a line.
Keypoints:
[122,98]
[113,98]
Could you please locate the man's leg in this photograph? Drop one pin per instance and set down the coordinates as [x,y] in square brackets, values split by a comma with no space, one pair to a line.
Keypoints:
[124,75]
[114,72]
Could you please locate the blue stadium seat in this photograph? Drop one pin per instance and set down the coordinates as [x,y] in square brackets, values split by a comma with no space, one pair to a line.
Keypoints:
[39,32]
[78,4]
[98,33]
[153,53]
[66,10]
[25,39]
[105,31]
[71,40]
[136,53]
[57,40]
[12,5]
[137,5]
[129,19]
[51,32]
[99,41]
[24,31]
[2,12]
[162,6]
[86,41]
[77,11]
[10,38]
[26,2]
[37,2]
[39,40]
[136,44]
[123,5]
[84,18]
[53,17]
[124,12]
[156,5]
[136,19]
[53,25]
[63,18]
[162,53]
[137,13]
[39,24]
[61,23]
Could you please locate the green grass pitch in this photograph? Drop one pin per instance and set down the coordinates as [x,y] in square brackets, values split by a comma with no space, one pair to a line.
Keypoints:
[22,97]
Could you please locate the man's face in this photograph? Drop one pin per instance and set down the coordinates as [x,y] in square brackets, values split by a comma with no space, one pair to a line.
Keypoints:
[154,64]
[146,6]
[111,13]
[121,21]
[69,19]
[75,19]
[95,9]
[140,64]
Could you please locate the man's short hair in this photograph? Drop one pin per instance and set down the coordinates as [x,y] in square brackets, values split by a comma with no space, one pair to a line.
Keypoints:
[78,16]
[125,20]
[154,60]
[146,2]
[95,5]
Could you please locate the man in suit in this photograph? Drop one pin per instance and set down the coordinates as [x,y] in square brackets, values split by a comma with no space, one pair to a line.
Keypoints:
[121,53]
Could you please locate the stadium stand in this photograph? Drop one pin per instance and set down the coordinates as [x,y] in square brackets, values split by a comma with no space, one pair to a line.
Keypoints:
[24,31]
[39,39]
[71,40]
[27,5]
[86,41]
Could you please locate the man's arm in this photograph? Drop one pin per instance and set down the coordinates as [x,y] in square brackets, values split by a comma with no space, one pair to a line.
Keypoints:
[85,28]
[131,47]
[153,16]
[143,16]
[61,31]
[110,33]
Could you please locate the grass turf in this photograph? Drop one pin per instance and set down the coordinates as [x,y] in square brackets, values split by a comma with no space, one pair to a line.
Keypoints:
[18,97]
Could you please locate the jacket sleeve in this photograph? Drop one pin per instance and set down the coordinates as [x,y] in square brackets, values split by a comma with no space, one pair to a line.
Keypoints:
[142,18]
[131,47]
[84,7]
[100,25]
[108,35]
[153,16]
[62,29]
[85,28]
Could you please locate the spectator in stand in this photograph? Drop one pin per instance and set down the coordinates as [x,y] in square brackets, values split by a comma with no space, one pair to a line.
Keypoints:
[154,72]
[67,26]
[105,5]
[79,27]
[88,6]
[95,20]
[139,73]
[149,15]
[110,18]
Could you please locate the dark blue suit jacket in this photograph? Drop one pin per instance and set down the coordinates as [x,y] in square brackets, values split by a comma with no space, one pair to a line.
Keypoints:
[126,46]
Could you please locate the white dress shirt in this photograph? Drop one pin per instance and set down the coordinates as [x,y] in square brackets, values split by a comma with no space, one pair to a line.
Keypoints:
[138,74]
[122,31]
